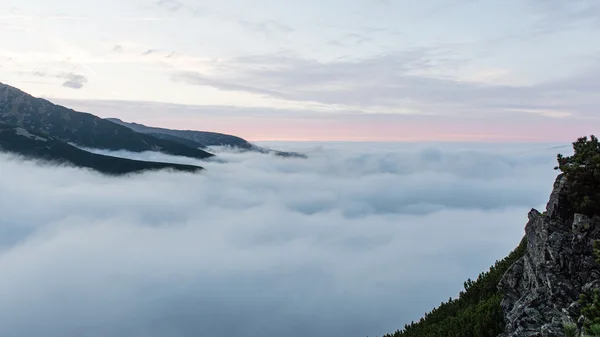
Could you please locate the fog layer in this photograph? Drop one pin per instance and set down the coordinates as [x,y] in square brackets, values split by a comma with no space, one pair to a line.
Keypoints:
[357,240]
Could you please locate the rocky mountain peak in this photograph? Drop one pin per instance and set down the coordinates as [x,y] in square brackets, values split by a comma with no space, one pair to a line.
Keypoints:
[541,290]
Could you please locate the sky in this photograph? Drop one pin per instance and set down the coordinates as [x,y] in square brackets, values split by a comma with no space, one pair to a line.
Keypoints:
[364,70]
[356,240]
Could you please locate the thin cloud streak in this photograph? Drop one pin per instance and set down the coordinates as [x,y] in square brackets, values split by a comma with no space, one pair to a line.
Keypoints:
[386,82]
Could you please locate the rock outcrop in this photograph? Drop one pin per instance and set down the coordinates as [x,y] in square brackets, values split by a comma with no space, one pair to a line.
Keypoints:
[542,288]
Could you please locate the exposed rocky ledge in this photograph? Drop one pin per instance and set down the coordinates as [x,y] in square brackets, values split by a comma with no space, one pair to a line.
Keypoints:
[542,288]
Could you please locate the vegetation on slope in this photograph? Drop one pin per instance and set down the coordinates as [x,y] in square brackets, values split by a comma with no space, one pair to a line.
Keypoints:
[476,312]
[19,141]
[582,171]
[590,308]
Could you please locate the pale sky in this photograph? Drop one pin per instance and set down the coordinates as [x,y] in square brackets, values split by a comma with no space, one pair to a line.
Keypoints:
[381,70]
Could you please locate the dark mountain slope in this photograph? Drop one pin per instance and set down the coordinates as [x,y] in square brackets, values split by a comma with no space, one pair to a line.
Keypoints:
[184,141]
[201,137]
[42,117]
[204,138]
[17,140]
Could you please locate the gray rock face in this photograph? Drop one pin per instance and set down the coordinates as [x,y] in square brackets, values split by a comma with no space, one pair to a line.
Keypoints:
[542,288]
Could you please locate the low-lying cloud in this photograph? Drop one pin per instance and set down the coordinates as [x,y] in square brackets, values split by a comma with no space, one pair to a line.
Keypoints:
[357,240]
[74,81]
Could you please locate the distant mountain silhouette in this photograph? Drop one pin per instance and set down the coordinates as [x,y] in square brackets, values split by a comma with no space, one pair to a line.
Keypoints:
[36,128]
[42,117]
[202,139]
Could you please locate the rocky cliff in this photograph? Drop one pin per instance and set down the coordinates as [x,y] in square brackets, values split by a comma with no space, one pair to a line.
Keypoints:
[549,286]
[541,289]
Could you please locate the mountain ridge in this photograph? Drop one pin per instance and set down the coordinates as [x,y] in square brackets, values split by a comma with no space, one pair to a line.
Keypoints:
[43,117]
[204,138]
[19,141]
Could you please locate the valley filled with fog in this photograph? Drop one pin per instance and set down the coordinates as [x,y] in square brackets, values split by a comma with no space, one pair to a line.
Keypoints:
[356,240]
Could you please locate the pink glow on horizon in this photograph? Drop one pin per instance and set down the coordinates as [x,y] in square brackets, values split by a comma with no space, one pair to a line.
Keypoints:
[387,131]
[350,127]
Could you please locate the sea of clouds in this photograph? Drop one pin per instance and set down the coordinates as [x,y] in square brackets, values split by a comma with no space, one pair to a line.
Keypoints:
[357,240]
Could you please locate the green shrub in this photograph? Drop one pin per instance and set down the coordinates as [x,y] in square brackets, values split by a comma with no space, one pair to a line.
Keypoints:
[595,330]
[590,305]
[582,171]
[570,329]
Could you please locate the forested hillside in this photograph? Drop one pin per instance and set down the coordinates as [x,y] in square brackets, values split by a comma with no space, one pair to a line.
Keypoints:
[477,311]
